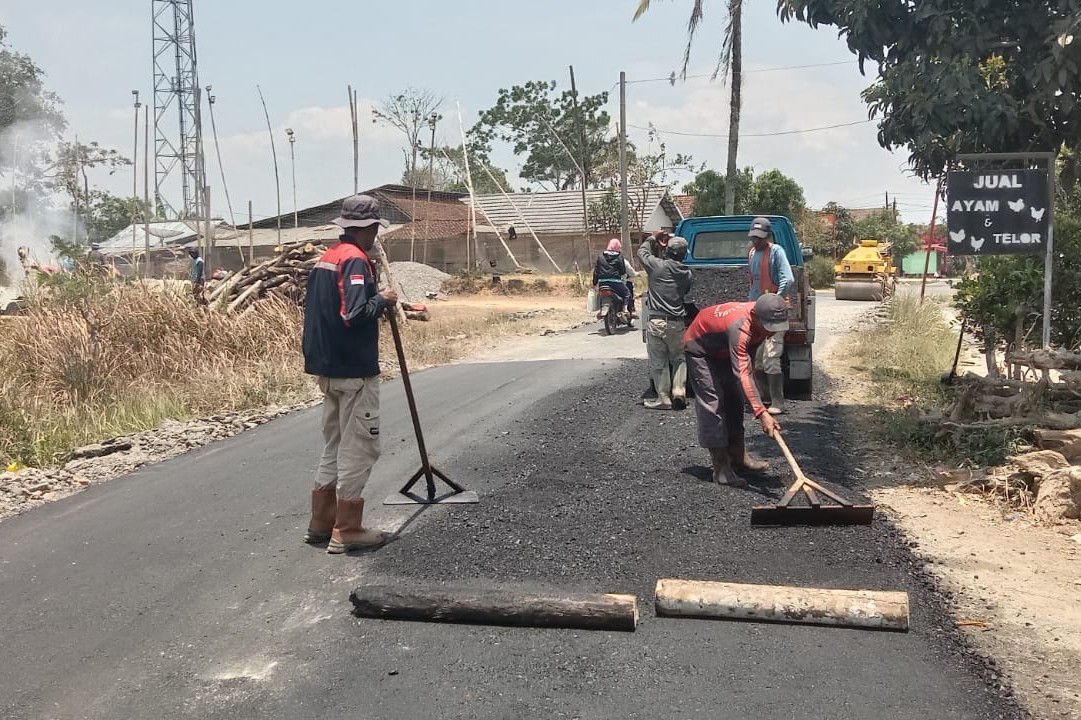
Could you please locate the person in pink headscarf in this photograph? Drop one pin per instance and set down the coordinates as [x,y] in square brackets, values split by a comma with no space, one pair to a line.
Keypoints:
[611,270]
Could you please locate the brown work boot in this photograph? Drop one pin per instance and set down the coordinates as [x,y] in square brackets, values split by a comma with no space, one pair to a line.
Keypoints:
[743,461]
[324,513]
[349,534]
[723,474]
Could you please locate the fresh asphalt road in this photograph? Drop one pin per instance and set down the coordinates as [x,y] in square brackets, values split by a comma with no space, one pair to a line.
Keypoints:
[183,590]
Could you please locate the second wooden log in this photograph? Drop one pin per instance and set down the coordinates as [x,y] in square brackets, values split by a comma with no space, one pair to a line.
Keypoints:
[872,609]
[515,608]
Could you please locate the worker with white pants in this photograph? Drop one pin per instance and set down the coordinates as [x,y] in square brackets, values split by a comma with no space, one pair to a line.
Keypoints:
[769,272]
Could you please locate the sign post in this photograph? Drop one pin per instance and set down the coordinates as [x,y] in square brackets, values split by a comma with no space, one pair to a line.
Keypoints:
[997,211]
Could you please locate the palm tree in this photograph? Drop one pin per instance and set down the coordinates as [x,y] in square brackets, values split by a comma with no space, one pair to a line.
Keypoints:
[730,67]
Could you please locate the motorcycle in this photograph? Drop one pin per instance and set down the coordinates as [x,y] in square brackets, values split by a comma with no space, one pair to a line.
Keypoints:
[611,311]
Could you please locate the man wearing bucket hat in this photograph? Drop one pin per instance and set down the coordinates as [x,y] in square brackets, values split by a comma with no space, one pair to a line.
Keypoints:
[341,348]
[720,343]
[770,272]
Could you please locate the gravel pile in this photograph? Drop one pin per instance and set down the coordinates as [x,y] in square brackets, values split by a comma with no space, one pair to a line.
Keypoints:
[415,280]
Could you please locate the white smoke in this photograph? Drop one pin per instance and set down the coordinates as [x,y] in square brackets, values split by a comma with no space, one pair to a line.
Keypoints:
[34,220]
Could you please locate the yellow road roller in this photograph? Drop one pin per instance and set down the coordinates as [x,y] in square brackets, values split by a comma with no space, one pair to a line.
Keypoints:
[865,273]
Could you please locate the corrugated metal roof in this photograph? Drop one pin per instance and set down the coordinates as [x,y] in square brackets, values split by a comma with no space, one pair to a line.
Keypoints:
[162,234]
[553,213]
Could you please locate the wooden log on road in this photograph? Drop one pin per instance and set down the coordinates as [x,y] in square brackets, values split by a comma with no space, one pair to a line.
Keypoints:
[492,606]
[777,603]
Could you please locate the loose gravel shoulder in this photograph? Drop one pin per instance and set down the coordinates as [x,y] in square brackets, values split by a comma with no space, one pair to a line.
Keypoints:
[609,498]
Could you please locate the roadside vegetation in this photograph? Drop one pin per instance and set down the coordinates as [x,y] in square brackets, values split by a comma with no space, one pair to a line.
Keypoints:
[903,357]
[92,360]
[820,272]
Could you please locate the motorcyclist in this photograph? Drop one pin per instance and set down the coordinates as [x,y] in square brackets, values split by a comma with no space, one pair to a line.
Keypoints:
[610,271]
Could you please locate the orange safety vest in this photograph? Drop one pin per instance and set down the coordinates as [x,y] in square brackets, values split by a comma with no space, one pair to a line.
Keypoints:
[765,280]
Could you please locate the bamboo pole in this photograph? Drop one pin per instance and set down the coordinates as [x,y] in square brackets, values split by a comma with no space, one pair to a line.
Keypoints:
[518,212]
[251,237]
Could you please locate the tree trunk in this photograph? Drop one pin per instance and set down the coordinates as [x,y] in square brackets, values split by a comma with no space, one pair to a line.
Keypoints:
[496,606]
[735,9]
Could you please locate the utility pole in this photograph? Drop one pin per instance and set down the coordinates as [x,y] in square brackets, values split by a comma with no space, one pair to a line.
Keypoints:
[146,191]
[625,232]
[585,171]
[135,174]
[210,100]
[432,120]
[293,170]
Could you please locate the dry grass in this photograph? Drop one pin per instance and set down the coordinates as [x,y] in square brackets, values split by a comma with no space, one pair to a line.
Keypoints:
[120,359]
[480,284]
[913,345]
[91,362]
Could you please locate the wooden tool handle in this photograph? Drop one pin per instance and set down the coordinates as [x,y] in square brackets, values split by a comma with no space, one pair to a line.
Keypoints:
[788,456]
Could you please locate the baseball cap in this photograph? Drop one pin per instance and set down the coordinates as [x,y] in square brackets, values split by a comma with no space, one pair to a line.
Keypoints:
[760,228]
[360,211]
[772,312]
[677,247]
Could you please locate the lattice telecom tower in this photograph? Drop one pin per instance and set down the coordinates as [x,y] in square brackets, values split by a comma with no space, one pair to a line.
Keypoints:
[178,147]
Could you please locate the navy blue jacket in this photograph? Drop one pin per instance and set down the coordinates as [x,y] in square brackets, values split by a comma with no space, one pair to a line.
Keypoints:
[341,315]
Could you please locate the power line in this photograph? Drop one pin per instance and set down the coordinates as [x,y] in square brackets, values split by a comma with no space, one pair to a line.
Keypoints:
[746,135]
[783,68]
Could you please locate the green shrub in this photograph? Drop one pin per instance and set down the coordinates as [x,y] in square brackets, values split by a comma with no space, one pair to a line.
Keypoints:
[820,272]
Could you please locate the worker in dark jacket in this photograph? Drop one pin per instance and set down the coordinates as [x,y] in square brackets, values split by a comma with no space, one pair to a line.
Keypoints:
[669,283]
[720,343]
[341,348]
[610,271]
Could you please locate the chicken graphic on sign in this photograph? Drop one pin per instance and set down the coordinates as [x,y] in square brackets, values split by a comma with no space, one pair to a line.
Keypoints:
[1037,215]
[958,236]
[978,244]
[1017,205]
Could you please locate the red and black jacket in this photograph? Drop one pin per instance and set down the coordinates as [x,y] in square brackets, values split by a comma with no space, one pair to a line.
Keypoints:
[341,313]
[726,332]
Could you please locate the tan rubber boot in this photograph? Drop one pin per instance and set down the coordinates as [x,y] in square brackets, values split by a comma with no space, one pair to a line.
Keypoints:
[324,513]
[743,461]
[723,474]
[349,533]
[776,393]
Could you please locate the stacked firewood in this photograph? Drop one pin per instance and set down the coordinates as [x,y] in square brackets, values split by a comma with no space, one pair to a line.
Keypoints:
[1042,389]
[284,276]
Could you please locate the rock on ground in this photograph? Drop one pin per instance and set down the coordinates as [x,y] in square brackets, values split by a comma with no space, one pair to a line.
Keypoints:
[1059,496]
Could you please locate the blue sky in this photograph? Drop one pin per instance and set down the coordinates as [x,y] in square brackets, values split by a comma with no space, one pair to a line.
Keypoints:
[304,56]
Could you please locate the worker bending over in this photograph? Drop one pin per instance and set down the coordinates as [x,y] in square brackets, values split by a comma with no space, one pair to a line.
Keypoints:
[669,283]
[719,344]
[769,272]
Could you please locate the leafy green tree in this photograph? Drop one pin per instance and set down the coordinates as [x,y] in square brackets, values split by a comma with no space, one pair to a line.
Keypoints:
[709,190]
[450,170]
[885,227]
[975,76]
[774,193]
[30,120]
[547,128]
[109,214]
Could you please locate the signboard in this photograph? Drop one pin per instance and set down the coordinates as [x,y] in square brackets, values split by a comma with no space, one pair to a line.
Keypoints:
[998,212]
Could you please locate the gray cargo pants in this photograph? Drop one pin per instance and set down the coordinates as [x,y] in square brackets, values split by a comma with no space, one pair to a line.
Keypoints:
[664,348]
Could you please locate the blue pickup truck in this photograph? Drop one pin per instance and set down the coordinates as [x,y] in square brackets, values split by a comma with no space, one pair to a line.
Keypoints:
[717,255]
